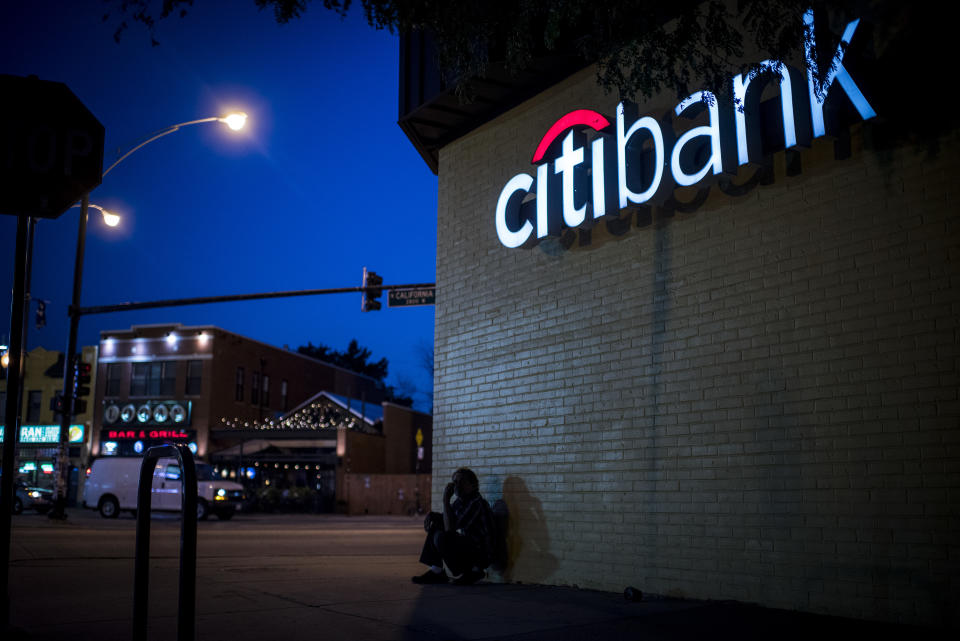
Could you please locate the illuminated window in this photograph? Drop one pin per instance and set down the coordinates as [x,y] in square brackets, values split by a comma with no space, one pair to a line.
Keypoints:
[113,380]
[238,395]
[194,377]
[153,379]
[33,406]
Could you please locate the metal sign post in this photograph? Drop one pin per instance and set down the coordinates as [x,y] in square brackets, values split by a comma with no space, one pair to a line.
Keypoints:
[12,418]
[52,151]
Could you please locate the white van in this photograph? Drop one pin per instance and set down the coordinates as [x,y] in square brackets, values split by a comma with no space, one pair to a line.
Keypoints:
[112,486]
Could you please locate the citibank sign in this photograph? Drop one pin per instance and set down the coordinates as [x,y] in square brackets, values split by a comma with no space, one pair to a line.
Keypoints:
[637,160]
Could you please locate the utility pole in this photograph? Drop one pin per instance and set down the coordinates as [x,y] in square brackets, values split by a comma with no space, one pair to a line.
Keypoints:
[66,416]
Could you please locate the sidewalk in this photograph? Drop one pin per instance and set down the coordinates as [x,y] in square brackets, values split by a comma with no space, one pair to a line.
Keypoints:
[481,612]
[349,580]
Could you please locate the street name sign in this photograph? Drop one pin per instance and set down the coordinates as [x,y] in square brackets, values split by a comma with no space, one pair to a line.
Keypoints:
[51,147]
[411,297]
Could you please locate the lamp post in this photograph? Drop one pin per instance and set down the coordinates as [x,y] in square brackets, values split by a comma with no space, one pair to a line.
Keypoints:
[235,121]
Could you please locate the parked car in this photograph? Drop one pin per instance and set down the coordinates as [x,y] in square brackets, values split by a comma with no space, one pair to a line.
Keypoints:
[29,497]
[112,486]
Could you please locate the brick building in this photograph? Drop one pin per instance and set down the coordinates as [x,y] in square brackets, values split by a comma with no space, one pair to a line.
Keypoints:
[271,418]
[746,388]
[163,382]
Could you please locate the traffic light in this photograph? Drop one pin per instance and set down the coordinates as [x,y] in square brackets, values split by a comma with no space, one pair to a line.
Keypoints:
[81,381]
[41,317]
[56,403]
[372,291]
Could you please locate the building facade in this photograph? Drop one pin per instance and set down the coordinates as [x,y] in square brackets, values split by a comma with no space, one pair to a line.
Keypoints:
[292,429]
[161,383]
[332,453]
[40,423]
[744,388]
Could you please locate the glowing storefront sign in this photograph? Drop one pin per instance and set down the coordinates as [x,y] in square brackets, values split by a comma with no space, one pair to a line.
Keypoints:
[580,185]
[136,435]
[46,434]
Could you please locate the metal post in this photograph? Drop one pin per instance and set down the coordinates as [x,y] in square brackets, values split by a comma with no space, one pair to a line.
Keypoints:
[66,416]
[11,428]
[187,598]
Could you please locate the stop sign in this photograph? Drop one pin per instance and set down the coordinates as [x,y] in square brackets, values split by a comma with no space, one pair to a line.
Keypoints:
[51,147]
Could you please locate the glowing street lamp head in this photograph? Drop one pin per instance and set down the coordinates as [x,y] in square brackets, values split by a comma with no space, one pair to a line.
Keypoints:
[235,121]
[111,220]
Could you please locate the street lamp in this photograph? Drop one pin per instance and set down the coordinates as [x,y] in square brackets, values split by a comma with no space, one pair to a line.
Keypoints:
[235,121]
[110,219]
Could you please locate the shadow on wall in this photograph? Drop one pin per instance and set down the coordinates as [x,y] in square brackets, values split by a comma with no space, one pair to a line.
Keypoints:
[528,556]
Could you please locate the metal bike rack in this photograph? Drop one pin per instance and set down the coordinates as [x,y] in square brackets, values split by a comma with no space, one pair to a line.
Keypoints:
[187,598]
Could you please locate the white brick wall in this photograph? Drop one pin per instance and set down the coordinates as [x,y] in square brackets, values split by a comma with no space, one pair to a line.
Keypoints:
[754,401]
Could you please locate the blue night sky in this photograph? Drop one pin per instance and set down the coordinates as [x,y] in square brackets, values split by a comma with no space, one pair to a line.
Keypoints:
[321,182]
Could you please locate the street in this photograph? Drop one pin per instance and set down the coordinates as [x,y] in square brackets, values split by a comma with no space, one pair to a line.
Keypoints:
[75,579]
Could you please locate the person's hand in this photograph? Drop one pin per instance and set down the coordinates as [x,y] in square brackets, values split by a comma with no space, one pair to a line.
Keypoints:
[432,521]
[448,492]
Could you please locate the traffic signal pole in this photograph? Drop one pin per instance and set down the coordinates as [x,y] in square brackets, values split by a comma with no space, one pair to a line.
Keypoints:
[204,300]
[66,416]
[76,311]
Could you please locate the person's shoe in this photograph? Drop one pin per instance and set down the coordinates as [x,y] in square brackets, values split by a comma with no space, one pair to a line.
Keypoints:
[469,577]
[430,577]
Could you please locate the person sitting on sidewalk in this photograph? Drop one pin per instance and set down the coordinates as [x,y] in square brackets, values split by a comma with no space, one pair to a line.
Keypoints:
[462,537]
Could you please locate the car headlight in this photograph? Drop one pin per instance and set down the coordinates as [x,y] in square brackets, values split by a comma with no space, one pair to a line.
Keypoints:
[34,494]
[221,495]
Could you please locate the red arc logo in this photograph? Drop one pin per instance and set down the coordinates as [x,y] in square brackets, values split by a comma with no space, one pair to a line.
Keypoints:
[585,117]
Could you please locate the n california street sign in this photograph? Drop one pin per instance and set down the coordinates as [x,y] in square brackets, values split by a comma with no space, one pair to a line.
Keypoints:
[51,147]
[411,297]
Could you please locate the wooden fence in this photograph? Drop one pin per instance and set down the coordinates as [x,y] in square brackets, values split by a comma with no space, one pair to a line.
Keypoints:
[400,494]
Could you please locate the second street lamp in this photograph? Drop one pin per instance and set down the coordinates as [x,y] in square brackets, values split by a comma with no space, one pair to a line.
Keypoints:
[235,121]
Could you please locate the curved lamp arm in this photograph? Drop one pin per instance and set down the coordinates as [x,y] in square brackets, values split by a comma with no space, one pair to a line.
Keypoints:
[235,121]
[109,218]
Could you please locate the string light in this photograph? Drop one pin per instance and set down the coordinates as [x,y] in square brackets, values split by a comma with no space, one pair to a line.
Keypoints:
[318,416]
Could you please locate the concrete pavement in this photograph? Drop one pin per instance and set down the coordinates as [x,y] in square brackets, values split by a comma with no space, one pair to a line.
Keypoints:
[338,578]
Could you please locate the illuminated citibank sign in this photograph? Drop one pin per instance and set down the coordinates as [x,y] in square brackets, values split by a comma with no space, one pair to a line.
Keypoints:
[636,160]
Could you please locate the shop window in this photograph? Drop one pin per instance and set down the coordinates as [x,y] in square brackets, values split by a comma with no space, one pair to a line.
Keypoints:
[33,406]
[113,380]
[238,395]
[194,377]
[255,388]
[283,395]
[172,473]
[266,391]
[153,379]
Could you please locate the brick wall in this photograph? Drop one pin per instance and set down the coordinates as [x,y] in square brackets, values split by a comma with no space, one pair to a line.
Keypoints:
[756,400]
